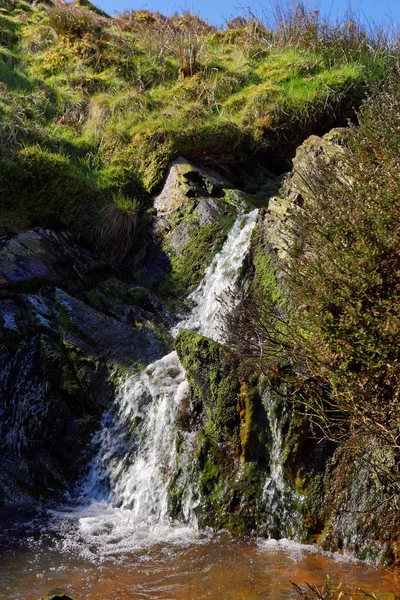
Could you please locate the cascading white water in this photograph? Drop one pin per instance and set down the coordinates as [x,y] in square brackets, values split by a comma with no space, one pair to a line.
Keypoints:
[136,456]
[136,445]
[221,275]
[274,487]
[280,500]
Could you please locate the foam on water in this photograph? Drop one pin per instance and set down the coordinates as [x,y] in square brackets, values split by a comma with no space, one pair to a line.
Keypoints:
[102,532]
[296,550]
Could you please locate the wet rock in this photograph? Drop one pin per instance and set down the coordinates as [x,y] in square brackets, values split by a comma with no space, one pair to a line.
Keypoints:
[229,420]
[131,304]
[213,382]
[63,344]
[359,518]
[9,314]
[108,337]
[231,404]
[30,258]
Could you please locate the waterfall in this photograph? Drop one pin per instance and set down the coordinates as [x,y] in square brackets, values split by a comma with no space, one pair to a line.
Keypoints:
[281,515]
[137,448]
[223,274]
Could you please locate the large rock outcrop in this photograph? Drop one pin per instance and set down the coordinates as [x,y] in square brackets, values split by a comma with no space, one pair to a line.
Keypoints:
[68,330]
[195,211]
[230,455]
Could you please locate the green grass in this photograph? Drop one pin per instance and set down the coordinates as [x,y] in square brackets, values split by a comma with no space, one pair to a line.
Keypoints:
[118,98]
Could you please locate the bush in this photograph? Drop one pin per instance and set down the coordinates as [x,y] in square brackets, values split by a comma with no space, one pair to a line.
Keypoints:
[75,22]
[338,338]
[344,279]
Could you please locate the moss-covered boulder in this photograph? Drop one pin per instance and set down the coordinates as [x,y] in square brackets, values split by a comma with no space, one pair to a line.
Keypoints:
[228,416]
[214,383]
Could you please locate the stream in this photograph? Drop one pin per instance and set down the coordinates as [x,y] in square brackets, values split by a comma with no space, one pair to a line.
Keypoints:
[82,553]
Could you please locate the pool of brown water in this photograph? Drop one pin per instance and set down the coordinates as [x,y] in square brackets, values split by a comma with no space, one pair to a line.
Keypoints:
[96,560]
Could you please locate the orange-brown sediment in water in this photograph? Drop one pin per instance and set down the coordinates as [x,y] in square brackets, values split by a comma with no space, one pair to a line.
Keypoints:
[216,568]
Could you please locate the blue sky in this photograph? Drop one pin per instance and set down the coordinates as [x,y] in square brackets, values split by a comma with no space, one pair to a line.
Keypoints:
[217,11]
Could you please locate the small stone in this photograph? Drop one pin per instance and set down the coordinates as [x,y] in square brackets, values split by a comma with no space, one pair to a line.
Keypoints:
[57,597]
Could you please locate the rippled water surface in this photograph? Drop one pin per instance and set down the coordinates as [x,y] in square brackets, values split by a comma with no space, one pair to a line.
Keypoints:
[93,554]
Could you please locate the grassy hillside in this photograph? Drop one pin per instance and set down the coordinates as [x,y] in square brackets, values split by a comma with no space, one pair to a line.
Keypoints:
[93,107]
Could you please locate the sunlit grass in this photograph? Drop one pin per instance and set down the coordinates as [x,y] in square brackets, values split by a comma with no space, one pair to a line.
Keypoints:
[137,90]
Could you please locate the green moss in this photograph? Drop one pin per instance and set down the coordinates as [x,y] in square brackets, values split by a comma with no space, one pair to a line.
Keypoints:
[244,510]
[188,267]
[210,475]
[56,367]
[241,200]
[230,499]
[266,283]
[213,382]
[253,436]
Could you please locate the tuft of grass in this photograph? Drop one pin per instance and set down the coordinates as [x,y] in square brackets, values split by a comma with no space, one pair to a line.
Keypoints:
[118,223]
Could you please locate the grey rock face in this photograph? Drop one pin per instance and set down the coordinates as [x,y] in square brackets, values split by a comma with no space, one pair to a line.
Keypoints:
[328,149]
[42,255]
[65,337]
[184,182]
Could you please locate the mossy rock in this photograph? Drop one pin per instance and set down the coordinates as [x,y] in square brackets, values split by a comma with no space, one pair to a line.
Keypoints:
[213,381]
[231,497]
[189,266]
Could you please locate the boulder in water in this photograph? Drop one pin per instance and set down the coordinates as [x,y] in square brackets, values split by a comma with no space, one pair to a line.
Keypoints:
[57,597]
